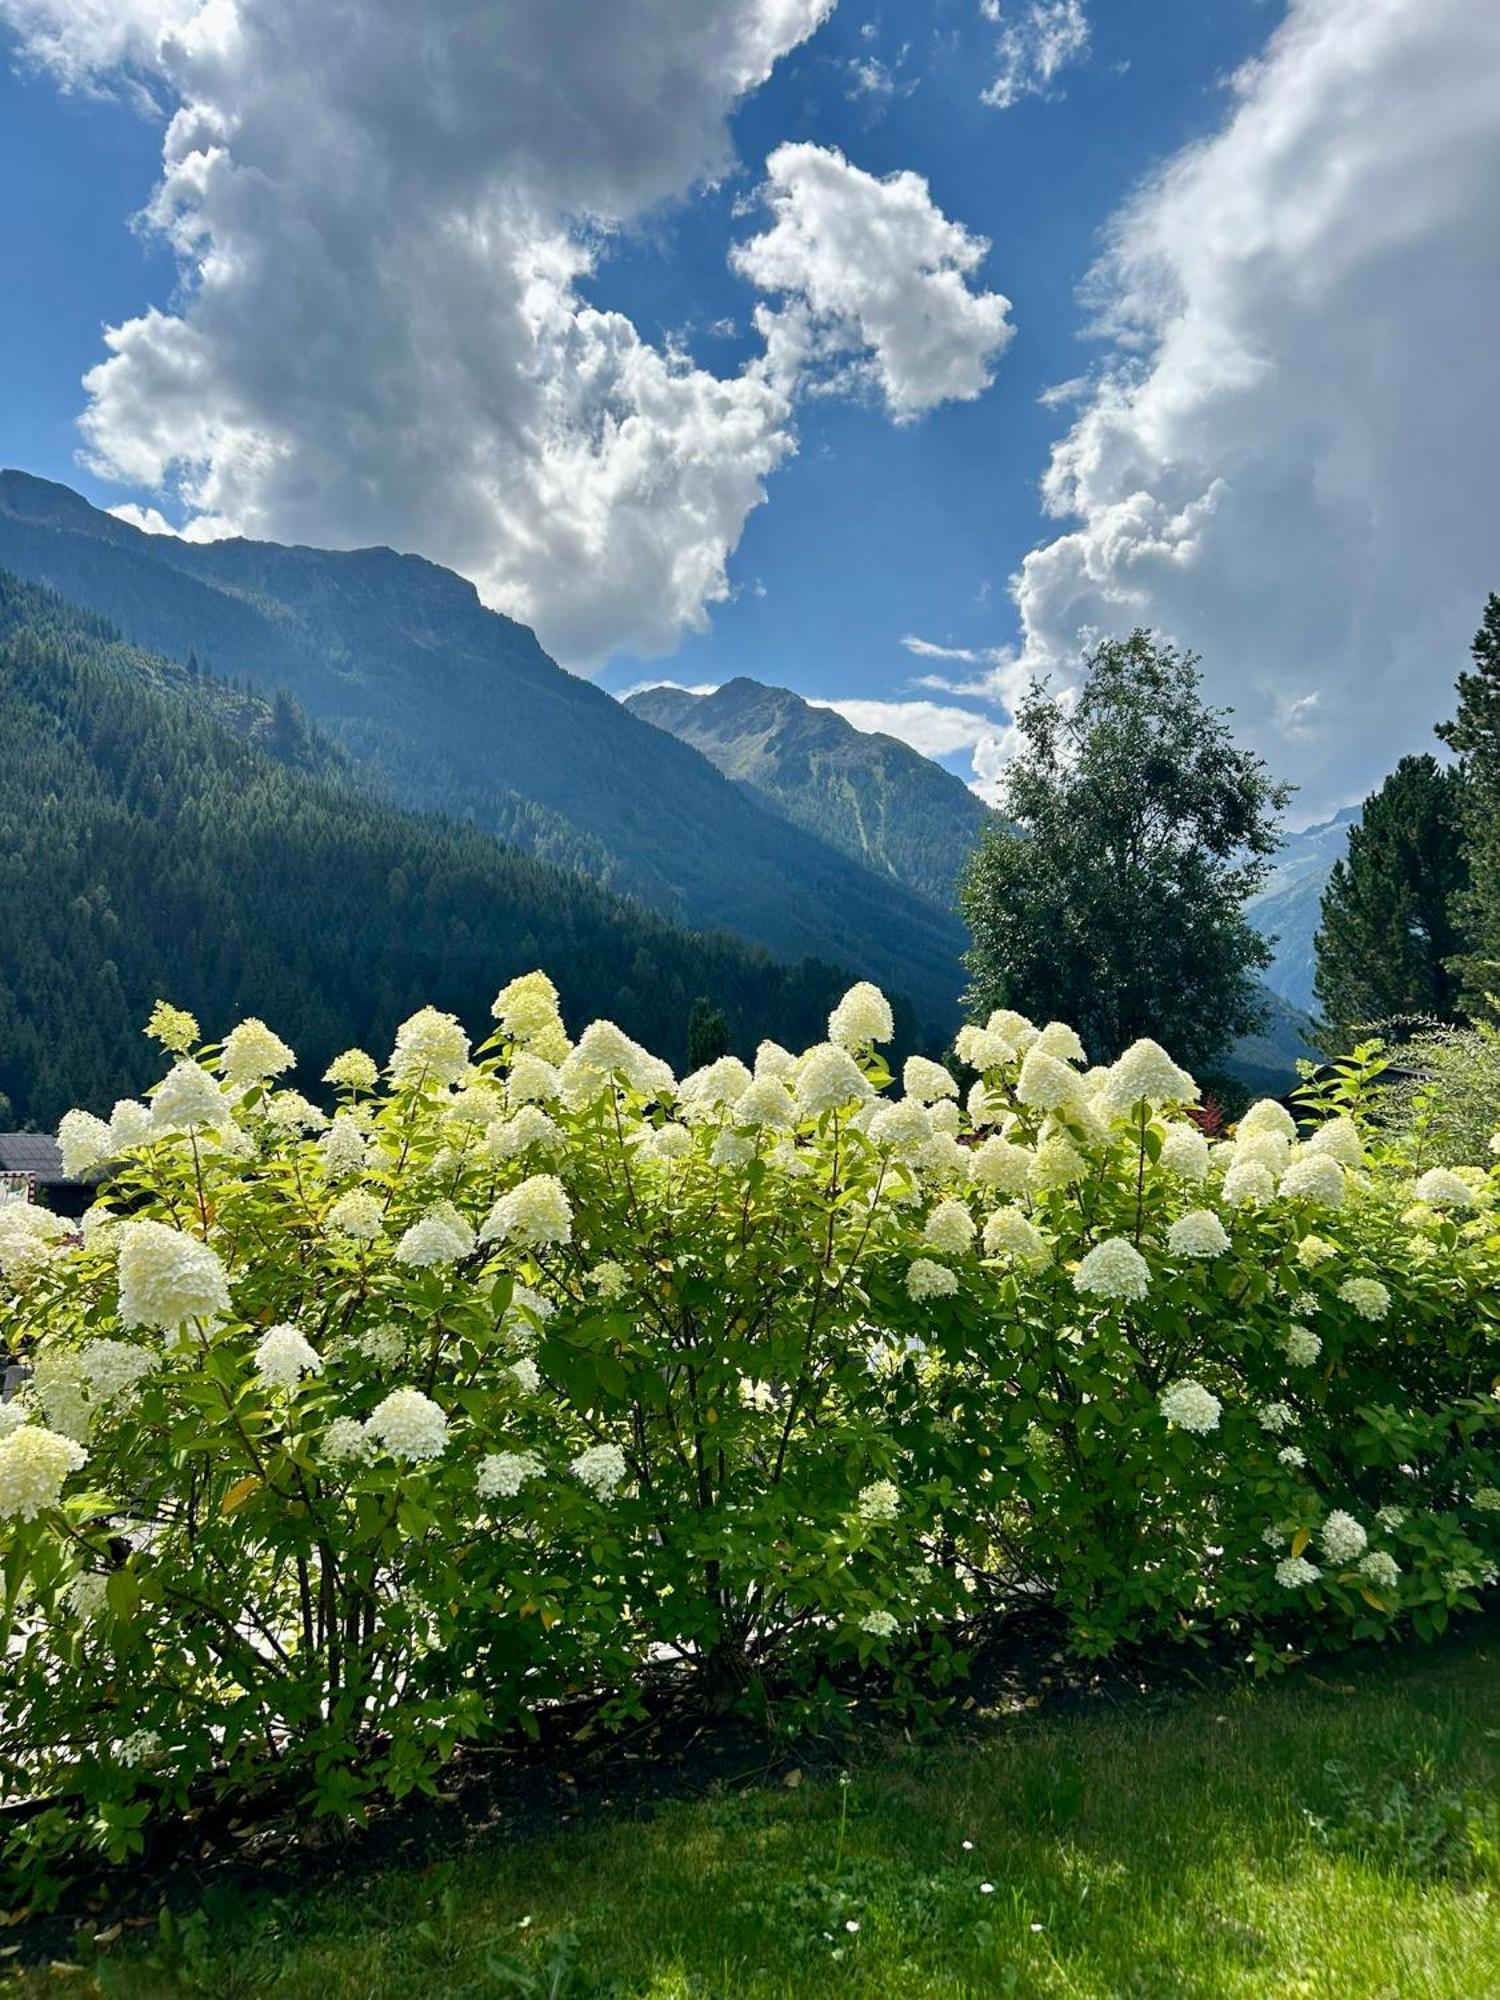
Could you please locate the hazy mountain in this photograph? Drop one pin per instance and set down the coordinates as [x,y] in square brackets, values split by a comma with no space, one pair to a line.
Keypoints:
[876,798]
[165,835]
[448,706]
[1287,907]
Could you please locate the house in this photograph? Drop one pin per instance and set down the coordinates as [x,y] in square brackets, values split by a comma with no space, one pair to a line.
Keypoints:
[31,1168]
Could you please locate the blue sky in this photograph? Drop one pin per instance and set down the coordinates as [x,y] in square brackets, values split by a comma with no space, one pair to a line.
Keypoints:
[411,309]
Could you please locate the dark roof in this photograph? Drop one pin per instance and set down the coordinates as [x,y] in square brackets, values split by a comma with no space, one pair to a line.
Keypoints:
[34,1153]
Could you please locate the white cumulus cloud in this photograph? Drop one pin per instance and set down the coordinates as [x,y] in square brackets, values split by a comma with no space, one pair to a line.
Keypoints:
[874,283]
[1035,42]
[1287,462]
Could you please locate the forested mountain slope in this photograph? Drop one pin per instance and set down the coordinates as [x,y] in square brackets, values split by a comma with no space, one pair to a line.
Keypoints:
[448,706]
[164,835]
[876,798]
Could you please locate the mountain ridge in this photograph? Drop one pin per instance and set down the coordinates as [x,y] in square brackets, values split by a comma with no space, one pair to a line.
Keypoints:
[447,706]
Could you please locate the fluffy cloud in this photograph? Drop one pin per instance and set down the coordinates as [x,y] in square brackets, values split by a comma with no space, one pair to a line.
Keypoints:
[874,284]
[932,728]
[1287,460]
[382,215]
[1035,42]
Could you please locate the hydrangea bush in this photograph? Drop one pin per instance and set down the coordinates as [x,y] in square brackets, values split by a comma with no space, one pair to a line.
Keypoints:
[531,1372]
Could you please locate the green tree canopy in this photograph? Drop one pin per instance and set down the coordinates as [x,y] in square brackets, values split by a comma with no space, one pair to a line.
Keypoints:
[1475,734]
[1116,899]
[707,1033]
[1390,926]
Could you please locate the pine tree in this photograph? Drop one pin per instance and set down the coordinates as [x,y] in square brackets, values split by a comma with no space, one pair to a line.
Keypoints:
[1475,734]
[707,1033]
[1116,899]
[1390,914]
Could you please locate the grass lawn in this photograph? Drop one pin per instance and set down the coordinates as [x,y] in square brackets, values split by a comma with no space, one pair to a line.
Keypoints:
[1330,1835]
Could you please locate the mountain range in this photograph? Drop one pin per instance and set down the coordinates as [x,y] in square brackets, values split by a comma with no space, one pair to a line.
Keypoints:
[1286,909]
[876,798]
[446,706]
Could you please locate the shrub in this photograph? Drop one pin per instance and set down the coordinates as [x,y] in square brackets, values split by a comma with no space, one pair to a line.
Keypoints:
[533,1372]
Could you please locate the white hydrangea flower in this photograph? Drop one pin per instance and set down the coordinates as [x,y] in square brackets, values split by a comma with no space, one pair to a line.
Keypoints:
[880,1501]
[253,1052]
[1277,1417]
[168,1277]
[829,1079]
[1012,1027]
[1382,1570]
[985,1106]
[766,1103]
[714,1086]
[1113,1269]
[861,1018]
[610,1280]
[532,1081]
[947,1119]
[1292,1456]
[344,1440]
[1440,1188]
[1058,1039]
[283,1356]
[732,1149]
[1342,1537]
[925,1082]
[1001,1165]
[927,1280]
[531,1216]
[1367,1296]
[1188,1406]
[602,1469]
[1267,1116]
[1339,1139]
[289,1111]
[88,1595]
[609,1051]
[409,1425]
[13,1414]
[1296,1572]
[950,1229]
[130,1125]
[114,1368]
[527,1375]
[1487,1499]
[1144,1074]
[665,1143]
[1199,1233]
[1390,1518]
[982,1050]
[944,1161]
[57,1379]
[431,1241]
[1184,1151]
[34,1463]
[430,1048]
[531,1130]
[503,1473]
[344,1148]
[1011,1233]
[353,1070]
[1301,1346]
[28,1234]
[1047,1084]
[139,1747]
[1264,1149]
[529,1006]
[879,1624]
[1056,1163]
[1248,1185]
[358,1214]
[1315,1250]
[1314,1177]
[771,1059]
[385,1345]
[84,1142]
[188,1100]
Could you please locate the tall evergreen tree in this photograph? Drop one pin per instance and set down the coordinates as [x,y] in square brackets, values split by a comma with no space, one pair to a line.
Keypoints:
[1475,734]
[707,1033]
[1390,925]
[1116,899]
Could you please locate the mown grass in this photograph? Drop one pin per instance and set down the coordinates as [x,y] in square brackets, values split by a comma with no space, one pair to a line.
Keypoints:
[1333,1836]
